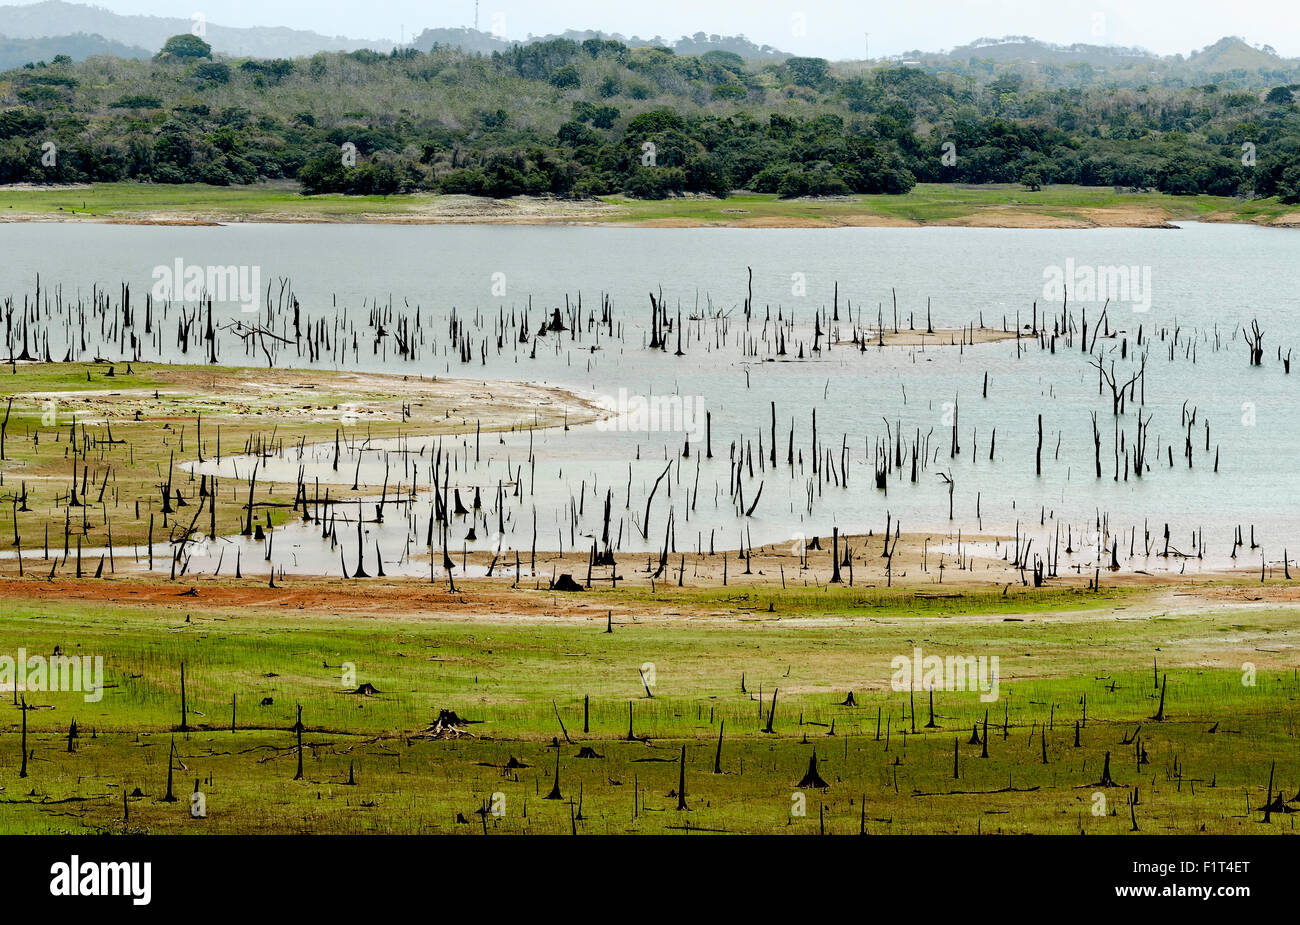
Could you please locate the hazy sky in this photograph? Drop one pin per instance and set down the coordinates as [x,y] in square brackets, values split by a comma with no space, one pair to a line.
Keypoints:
[814,27]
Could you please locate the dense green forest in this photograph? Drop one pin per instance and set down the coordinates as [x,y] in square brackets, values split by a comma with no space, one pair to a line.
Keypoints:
[597,117]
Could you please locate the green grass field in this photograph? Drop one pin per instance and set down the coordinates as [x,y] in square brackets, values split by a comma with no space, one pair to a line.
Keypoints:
[1207,760]
[925,203]
[124,200]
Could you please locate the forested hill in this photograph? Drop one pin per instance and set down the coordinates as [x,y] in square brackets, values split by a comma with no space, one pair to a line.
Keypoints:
[15,52]
[697,44]
[1230,59]
[595,117]
[59,18]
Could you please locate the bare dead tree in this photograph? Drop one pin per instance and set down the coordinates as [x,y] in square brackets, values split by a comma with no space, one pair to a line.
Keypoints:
[1255,341]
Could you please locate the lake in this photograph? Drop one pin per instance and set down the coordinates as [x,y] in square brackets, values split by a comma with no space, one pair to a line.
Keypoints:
[1205,283]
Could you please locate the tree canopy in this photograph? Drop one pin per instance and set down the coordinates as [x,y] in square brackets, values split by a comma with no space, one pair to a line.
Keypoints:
[186,46]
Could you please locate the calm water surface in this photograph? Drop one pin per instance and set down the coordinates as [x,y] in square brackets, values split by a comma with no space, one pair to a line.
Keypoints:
[1207,281]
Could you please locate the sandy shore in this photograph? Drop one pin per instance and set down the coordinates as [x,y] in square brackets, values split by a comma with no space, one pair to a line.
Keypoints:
[939,337]
[436,404]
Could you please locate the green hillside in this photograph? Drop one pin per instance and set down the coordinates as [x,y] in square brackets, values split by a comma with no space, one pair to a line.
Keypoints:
[599,118]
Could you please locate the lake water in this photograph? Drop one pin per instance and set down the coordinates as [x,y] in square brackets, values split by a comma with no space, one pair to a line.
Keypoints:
[1206,283]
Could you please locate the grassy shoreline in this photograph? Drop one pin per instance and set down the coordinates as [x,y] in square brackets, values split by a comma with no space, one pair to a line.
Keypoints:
[1004,206]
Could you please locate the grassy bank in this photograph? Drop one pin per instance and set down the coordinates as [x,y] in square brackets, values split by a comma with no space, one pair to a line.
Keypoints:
[993,205]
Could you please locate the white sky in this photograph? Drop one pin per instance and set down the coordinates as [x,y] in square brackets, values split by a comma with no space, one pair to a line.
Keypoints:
[813,27]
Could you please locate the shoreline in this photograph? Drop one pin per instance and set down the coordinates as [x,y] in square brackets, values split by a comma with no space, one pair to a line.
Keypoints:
[929,566]
[929,205]
[1015,221]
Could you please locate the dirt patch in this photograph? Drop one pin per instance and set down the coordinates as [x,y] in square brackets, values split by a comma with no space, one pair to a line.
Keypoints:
[165,220]
[871,220]
[1013,217]
[775,221]
[43,187]
[671,223]
[858,220]
[1128,217]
